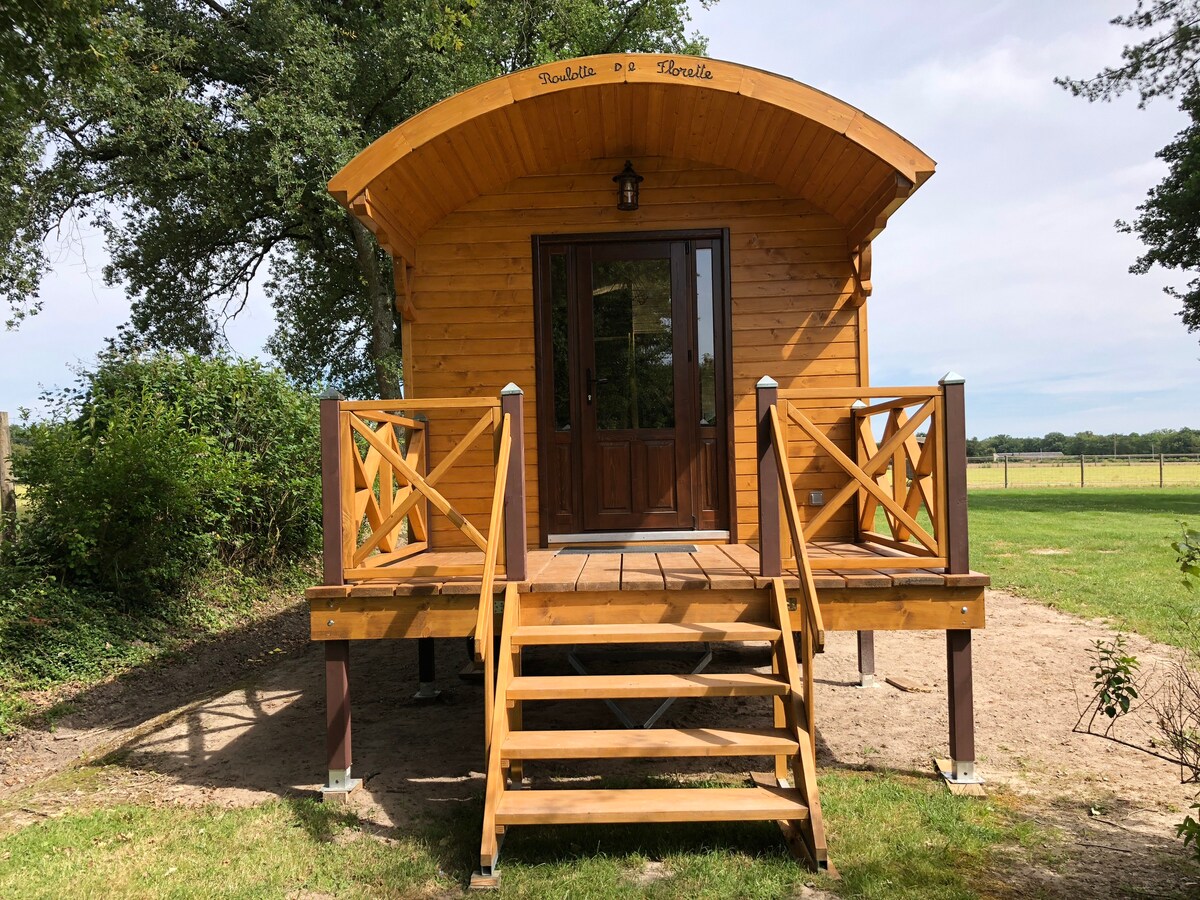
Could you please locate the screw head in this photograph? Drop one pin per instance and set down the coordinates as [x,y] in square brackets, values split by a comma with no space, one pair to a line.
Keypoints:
[964,612]
[330,622]
[330,604]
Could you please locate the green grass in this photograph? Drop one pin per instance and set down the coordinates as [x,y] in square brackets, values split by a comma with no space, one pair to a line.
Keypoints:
[1116,560]
[891,836]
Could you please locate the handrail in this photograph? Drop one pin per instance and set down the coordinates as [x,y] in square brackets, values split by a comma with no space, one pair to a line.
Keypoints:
[811,607]
[483,619]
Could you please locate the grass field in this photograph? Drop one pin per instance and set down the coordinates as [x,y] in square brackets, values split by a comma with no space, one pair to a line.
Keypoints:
[897,837]
[1108,473]
[1096,553]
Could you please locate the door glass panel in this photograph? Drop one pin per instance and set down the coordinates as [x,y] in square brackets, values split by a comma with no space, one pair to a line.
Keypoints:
[706,336]
[559,335]
[634,381]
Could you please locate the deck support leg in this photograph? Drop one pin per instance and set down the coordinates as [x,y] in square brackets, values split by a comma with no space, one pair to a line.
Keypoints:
[866,659]
[962,708]
[426,673]
[337,721]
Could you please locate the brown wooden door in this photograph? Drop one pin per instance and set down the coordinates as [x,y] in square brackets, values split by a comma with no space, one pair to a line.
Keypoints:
[632,385]
[636,400]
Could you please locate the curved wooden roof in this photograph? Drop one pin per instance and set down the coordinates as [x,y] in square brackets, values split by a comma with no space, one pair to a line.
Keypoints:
[812,145]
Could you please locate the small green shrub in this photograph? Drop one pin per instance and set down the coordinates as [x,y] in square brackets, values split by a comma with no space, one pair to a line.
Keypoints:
[157,466]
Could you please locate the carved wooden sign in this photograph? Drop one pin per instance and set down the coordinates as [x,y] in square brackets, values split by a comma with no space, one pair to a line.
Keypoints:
[618,68]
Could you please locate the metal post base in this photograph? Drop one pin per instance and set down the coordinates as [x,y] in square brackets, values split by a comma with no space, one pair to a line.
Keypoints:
[486,879]
[868,680]
[426,691]
[339,786]
[958,771]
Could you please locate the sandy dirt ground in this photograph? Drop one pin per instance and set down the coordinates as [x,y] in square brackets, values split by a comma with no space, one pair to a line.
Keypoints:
[241,721]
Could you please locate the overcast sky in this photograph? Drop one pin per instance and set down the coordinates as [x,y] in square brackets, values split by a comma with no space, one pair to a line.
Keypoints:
[1004,267]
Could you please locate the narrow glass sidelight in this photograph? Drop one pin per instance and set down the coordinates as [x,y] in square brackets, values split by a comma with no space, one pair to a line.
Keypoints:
[633,385]
[706,342]
[560,337]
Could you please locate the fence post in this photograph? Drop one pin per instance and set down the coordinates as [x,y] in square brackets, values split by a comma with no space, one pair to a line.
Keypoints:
[1081,459]
[770,559]
[1006,470]
[516,552]
[8,490]
[1160,470]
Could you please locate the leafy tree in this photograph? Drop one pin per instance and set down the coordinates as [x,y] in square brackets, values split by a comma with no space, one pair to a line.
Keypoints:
[202,140]
[1165,64]
[156,466]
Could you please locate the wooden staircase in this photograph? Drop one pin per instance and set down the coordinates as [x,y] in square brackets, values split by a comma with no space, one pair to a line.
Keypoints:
[789,797]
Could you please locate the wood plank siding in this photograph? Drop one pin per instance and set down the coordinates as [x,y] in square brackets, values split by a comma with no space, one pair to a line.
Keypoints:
[792,310]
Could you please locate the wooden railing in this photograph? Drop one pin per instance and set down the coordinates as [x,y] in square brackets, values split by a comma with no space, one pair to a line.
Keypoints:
[919,484]
[378,490]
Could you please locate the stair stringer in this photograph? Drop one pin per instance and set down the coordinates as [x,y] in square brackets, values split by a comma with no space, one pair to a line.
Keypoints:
[505,717]
[797,714]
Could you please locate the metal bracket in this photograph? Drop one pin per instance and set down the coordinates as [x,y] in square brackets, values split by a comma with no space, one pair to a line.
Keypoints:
[791,604]
[617,711]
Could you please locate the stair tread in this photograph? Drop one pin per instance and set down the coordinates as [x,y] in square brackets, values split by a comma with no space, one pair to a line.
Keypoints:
[585,687]
[652,742]
[644,633]
[565,807]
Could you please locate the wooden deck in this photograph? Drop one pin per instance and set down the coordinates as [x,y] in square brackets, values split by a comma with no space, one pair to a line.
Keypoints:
[710,567]
[679,585]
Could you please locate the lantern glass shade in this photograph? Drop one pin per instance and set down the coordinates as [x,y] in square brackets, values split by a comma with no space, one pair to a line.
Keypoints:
[627,187]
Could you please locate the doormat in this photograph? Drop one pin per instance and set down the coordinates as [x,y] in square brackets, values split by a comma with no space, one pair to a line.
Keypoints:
[634,548]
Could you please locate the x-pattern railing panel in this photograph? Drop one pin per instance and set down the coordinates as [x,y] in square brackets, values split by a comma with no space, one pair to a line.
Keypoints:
[385,485]
[897,473]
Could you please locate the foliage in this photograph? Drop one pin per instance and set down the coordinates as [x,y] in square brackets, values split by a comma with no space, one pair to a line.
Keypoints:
[1114,677]
[202,140]
[1187,550]
[1165,64]
[1163,440]
[1171,700]
[53,634]
[157,466]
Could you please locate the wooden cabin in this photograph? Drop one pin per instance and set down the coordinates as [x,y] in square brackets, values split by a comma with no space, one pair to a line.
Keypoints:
[634,293]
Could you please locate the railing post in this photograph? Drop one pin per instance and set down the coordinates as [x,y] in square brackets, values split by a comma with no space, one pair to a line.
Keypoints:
[337,653]
[516,552]
[770,561]
[954,427]
[331,486]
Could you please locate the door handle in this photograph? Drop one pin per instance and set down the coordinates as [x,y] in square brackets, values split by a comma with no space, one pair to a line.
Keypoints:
[591,384]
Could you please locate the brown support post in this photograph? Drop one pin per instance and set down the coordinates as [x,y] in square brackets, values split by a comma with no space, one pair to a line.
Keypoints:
[337,653]
[516,553]
[958,641]
[962,707]
[866,659]
[770,560]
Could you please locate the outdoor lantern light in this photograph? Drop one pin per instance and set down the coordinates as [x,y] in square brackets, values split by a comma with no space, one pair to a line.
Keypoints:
[627,187]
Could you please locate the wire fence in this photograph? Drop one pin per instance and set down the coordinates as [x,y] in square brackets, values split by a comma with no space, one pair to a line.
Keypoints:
[1148,470]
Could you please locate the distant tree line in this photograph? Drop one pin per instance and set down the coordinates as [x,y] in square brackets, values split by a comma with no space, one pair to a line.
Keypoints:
[1163,440]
